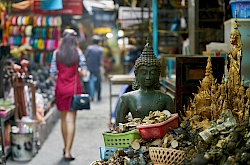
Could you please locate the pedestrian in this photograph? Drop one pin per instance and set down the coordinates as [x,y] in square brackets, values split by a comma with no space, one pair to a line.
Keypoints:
[185,43]
[68,63]
[94,57]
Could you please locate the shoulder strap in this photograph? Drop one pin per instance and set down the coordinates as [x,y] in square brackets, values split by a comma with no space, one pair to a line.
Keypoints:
[76,80]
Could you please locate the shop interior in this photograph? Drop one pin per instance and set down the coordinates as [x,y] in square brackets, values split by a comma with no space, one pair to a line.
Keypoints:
[190,38]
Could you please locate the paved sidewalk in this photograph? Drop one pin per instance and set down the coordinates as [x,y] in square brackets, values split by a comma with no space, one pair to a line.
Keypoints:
[88,138]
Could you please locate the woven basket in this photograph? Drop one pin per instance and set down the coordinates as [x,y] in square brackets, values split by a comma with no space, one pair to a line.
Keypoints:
[165,156]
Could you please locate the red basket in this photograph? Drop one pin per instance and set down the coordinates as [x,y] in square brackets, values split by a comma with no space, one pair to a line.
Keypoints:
[158,130]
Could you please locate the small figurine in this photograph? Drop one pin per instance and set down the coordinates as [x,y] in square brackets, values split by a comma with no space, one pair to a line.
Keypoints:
[131,160]
[142,160]
[199,159]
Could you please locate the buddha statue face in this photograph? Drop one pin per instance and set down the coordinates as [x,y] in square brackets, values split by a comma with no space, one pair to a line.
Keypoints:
[147,76]
[233,39]
[235,35]
[147,69]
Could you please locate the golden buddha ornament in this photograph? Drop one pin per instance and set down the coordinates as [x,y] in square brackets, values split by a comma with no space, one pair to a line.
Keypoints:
[234,61]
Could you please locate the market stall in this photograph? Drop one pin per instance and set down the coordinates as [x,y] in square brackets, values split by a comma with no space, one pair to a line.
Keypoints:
[27,43]
[212,129]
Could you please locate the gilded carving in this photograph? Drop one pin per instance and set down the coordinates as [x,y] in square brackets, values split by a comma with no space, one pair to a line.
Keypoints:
[213,99]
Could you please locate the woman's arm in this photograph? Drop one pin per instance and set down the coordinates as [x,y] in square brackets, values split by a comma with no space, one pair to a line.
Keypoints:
[53,69]
[82,64]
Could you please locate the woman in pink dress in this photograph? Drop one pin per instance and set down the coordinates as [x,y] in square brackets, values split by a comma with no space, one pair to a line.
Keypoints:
[67,62]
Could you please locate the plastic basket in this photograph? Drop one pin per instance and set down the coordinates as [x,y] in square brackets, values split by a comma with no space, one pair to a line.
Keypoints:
[162,156]
[107,152]
[120,140]
[158,130]
[242,7]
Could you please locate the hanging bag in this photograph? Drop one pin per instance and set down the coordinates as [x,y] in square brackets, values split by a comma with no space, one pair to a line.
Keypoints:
[79,101]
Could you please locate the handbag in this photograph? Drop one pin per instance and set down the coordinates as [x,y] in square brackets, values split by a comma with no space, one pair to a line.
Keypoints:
[79,101]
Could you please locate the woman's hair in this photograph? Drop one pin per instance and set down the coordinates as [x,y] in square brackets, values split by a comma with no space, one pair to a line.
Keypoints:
[67,52]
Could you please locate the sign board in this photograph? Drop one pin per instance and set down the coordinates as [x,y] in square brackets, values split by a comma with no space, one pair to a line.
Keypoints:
[131,16]
[69,7]
[102,30]
[104,19]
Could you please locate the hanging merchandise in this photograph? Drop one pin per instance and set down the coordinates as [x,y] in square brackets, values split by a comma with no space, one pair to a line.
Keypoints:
[175,24]
[183,21]
[41,33]
[21,6]
[182,2]
[55,7]
[51,5]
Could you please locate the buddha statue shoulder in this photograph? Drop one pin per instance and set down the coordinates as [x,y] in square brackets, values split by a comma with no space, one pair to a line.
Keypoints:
[146,95]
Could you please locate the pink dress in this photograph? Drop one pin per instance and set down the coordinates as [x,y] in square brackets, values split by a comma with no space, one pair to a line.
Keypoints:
[65,85]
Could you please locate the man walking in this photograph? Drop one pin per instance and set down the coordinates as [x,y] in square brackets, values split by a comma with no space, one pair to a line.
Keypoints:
[94,57]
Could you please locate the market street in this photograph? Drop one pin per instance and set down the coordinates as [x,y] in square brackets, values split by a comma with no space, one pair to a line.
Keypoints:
[88,138]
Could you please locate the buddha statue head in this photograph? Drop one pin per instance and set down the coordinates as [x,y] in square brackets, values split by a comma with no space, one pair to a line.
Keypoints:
[146,61]
[235,36]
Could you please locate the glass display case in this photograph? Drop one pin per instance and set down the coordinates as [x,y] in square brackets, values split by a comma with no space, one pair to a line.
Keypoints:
[168,73]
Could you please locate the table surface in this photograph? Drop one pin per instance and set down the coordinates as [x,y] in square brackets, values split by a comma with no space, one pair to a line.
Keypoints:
[122,79]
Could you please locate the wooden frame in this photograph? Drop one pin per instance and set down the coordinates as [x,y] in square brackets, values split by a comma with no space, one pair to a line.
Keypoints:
[189,72]
[169,85]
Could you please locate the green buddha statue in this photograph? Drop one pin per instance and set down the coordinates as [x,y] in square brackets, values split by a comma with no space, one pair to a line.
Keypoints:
[146,95]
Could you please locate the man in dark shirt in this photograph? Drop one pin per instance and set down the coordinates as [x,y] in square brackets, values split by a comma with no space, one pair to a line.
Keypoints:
[94,57]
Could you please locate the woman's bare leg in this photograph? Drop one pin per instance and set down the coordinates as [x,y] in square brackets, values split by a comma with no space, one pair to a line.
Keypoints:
[64,127]
[71,121]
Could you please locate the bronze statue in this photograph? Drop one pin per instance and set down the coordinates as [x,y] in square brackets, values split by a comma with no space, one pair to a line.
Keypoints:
[146,96]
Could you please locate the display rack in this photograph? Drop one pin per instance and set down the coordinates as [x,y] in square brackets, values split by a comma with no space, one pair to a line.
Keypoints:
[169,29]
[41,33]
[205,23]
